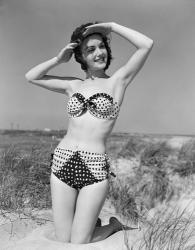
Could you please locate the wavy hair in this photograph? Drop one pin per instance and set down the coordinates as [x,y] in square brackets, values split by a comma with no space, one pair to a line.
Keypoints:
[77,36]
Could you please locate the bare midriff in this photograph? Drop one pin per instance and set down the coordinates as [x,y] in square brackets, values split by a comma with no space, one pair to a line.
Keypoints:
[87,133]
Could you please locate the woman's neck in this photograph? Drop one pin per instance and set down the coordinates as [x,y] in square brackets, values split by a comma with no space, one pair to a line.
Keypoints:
[96,74]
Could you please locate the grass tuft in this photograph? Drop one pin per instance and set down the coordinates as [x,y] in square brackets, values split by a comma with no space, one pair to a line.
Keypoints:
[171,229]
[24,179]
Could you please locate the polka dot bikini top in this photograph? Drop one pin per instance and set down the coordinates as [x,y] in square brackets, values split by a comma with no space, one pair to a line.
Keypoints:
[100,105]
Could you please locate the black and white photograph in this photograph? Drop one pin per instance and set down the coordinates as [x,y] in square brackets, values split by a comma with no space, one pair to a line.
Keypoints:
[97,125]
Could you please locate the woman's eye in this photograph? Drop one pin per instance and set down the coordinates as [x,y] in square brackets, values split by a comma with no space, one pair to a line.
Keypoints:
[90,50]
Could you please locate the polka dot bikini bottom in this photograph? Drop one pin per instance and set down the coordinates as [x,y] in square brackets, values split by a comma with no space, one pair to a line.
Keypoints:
[79,168]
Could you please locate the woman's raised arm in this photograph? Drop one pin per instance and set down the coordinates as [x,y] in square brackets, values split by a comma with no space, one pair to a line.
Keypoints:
[144,44]
[39,71]
[38,74]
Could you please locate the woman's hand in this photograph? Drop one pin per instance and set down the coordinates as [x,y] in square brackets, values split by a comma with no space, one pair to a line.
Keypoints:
[66,53]
[104,28]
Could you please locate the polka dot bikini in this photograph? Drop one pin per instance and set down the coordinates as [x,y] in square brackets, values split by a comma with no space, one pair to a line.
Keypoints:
[100,105]
[79,168]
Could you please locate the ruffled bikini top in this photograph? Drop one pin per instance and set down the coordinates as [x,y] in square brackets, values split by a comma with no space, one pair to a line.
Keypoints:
[100,105]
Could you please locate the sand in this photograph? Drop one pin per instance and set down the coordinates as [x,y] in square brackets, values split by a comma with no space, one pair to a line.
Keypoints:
[25,233]
[178,141]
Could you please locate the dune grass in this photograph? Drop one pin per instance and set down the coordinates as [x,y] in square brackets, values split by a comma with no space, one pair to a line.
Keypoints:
[170,229]
[186,160]
[162,174]
[153,183]
[150,183]
[24,179]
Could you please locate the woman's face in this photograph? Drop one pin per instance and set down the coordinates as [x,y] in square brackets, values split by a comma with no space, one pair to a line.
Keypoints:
[94,52]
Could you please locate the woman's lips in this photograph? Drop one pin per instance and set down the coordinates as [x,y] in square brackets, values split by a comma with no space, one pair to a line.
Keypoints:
[100,60]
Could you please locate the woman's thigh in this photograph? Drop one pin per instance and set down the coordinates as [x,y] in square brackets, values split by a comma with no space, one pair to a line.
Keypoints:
[63,206]
[89,204]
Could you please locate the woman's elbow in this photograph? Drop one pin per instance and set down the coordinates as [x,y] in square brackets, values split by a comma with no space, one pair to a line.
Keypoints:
[147,45]
[28,77]
[150,44]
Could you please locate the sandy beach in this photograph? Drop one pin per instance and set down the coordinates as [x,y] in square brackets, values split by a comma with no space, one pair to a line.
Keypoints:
[24,233]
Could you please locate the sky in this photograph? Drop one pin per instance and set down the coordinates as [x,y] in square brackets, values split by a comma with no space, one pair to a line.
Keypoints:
[161,98]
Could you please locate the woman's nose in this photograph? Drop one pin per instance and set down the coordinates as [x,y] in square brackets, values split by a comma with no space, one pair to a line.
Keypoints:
[98,52]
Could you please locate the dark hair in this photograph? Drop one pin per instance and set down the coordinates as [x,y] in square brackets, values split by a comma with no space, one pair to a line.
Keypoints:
[77,36]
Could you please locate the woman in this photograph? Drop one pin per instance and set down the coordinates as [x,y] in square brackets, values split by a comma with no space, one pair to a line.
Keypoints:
[80,165]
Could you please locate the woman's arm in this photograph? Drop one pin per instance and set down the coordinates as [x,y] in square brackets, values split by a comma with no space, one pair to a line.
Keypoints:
[38,74]
[143,44]
[39,71]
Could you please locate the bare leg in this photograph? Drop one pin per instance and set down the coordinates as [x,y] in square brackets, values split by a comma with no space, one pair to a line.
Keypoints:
[101,233]
[105,231]
[89,204]
[63,205]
